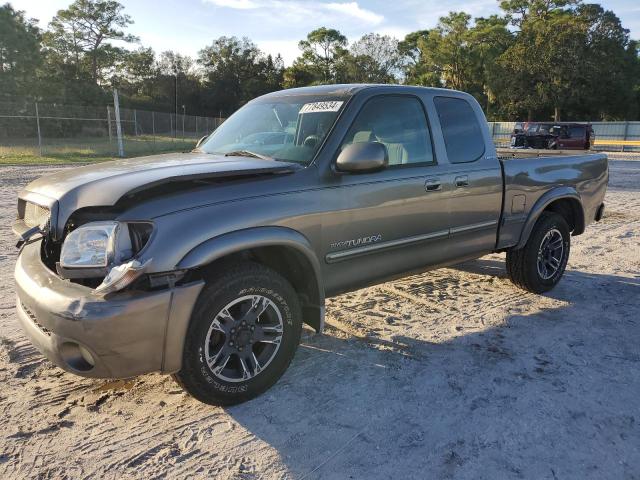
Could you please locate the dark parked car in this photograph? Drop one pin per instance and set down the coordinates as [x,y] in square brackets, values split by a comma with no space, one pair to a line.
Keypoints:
[563,136]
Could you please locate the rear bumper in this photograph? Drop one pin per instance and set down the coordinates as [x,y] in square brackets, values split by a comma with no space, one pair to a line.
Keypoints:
[117,336]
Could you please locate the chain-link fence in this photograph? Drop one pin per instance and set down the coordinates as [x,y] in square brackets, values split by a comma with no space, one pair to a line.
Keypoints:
[54,130]
[30,129]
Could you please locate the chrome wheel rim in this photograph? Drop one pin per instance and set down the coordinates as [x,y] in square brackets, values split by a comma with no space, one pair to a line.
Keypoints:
[243,338]
[550,254]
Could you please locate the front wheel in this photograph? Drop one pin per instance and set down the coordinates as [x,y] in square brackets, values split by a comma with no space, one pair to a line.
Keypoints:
[539,265]
[243,334]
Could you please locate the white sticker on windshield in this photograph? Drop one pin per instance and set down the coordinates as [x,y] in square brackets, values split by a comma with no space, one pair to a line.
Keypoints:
[321,107]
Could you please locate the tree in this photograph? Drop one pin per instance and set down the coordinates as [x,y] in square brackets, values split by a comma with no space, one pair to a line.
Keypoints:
[490,38]
[519,12]
[373,59]
[541,63]
[134,73]
[81,35]
[20,54]
[609,62]
[569,59]
[236,71]
[321,52]
[445,56]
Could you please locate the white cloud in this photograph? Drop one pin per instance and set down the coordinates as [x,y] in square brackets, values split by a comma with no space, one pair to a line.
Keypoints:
[236,4]
[288,49]
[299,10]
[354,10]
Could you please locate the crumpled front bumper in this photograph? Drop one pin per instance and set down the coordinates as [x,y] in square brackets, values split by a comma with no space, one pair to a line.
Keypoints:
[121,335]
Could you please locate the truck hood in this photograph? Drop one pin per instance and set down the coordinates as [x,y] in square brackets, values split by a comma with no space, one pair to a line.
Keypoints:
[103,184]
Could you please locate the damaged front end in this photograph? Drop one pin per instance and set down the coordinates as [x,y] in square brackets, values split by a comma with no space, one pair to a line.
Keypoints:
[86,298]
[95,250]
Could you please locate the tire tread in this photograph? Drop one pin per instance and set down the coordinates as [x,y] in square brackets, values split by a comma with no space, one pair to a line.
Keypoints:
[520,270]
[189,378]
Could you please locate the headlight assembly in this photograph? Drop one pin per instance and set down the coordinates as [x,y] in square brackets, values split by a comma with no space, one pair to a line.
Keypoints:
[105,249]
[92,245]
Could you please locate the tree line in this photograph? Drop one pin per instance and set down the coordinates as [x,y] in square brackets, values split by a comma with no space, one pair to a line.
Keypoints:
[538,59]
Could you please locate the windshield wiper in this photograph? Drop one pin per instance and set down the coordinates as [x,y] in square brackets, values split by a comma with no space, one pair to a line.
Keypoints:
[247,153]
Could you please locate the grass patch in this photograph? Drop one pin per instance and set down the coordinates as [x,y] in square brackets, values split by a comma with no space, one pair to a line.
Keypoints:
[86,150]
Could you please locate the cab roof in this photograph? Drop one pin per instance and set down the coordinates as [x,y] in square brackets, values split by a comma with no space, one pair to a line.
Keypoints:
[348,89]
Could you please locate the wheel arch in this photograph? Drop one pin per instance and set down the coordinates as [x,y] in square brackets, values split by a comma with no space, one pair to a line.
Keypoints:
[282,249]
[562,200]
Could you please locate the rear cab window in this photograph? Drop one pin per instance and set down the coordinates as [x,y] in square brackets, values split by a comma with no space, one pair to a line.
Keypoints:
[462,134]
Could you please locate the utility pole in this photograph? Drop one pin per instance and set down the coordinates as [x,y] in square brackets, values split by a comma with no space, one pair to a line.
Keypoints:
[116,108]
[183,113]
[39,134]
[176,72]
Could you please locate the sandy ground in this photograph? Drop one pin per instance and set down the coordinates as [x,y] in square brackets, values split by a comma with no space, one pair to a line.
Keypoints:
[451,374]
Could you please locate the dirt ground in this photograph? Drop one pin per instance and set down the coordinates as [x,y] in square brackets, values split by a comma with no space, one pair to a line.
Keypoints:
[450,374]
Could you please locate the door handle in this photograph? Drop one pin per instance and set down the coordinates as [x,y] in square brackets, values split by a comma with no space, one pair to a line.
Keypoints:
[462,181]
[432,184]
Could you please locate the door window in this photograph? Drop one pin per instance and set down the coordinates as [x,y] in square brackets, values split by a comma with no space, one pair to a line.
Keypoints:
[460,129]
[400,124]
[576,132]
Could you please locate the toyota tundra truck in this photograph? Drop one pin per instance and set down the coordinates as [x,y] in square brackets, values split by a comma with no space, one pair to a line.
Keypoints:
[206,264]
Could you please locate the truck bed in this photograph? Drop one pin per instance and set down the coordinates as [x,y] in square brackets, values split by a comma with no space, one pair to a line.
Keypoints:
[530,181]
[537,152]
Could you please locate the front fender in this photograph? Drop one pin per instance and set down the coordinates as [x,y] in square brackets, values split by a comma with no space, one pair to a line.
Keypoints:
[543,202]
[256,237]
[222,245]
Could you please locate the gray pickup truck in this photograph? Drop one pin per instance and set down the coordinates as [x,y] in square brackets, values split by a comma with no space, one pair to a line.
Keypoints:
[206,264]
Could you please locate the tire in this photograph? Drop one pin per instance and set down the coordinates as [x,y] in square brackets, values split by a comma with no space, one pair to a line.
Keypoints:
[216,322]
[523,267]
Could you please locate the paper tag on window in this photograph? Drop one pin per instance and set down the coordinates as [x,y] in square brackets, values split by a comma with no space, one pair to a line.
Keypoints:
[321,107]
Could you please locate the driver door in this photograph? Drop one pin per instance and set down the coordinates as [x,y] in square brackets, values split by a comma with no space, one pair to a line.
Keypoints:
[390,221]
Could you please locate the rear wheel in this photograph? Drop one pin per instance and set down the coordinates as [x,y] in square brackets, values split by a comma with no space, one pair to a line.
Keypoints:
[539,265]
[244,331]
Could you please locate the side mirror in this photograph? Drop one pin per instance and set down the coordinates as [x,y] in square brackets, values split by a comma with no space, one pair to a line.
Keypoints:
[362,157]
[201,140]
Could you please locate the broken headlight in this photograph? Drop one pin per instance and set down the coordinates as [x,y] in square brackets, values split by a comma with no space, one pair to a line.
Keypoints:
[105,249]
[92,245]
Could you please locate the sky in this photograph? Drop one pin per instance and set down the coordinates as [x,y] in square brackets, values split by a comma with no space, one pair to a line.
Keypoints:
[276,26]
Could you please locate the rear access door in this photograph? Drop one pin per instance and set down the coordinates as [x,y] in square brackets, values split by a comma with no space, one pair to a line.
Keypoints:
[474,174]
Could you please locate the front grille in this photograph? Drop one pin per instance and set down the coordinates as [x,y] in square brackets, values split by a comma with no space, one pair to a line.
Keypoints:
[35,215]
[33,318]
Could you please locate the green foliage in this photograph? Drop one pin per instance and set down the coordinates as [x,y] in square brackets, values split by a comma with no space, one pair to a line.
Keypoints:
[236,71]
[569,60]
[373,59]
[20,54]
[319,62]
[81,34]
[539,59]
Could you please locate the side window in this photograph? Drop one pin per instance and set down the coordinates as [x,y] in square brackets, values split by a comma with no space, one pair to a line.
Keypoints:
[576,132]
[397,122]
[462,134]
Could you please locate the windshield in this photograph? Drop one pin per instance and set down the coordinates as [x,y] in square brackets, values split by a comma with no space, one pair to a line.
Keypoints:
[290,128]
